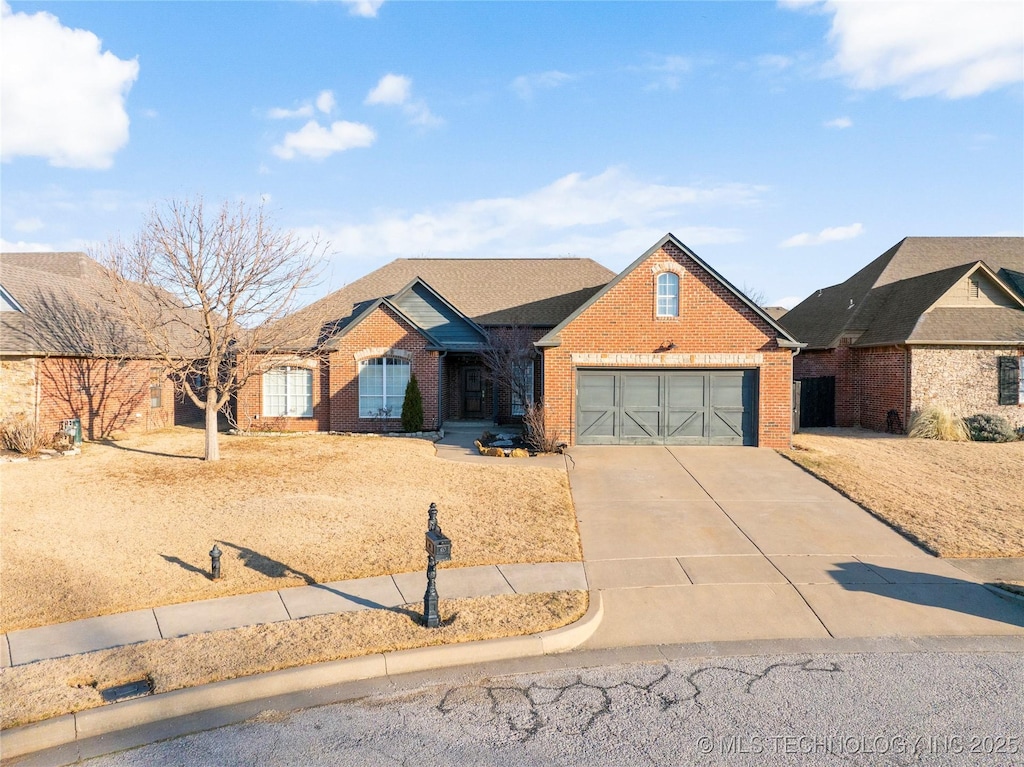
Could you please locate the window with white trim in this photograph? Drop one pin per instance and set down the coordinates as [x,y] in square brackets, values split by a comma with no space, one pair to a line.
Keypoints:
[382,382]
[668,294]
[288,392]
[522,392]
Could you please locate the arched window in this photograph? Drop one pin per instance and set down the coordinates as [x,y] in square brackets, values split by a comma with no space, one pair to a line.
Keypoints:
[382,382]
[288,392]
[668,295]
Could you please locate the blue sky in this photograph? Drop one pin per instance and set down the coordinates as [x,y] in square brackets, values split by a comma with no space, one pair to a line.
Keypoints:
[787,144]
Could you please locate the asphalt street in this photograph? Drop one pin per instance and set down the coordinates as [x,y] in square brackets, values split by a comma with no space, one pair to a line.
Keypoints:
[921,708]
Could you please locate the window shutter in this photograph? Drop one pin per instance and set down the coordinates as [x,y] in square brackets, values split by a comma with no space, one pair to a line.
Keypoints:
[1009,371]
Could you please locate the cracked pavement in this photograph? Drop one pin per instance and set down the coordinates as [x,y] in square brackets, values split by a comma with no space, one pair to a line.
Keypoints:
[856,709]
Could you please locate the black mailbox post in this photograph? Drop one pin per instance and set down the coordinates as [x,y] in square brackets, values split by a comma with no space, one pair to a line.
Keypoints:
[439,549]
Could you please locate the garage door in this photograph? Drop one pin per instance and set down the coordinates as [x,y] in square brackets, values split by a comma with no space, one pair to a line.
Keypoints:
[666,407]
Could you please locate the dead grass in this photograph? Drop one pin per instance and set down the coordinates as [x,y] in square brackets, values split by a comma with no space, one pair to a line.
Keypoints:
[54,687]
[958,499]
[129,525]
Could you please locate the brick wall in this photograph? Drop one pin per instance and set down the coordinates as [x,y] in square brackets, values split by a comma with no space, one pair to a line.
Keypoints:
[381,332]
[880,385]
[965,379]
[711,321]
[249,400]
[109,396]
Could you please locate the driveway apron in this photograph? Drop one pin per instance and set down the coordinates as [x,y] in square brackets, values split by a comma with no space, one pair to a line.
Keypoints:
[702,544]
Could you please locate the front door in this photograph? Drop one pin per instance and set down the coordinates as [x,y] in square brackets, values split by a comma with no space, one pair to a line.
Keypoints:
[472,393]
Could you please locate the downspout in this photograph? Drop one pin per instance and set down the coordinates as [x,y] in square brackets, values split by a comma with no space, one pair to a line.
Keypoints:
[440,389]
[906,388]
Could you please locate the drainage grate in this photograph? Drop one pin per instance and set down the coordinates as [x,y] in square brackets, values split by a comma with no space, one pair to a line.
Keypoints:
[127,691]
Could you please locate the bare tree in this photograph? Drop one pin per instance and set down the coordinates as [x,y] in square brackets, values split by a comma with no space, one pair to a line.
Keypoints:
[755,294]
[509,358]
[207,290]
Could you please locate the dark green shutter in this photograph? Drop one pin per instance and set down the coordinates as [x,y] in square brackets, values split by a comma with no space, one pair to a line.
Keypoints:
[1009,380]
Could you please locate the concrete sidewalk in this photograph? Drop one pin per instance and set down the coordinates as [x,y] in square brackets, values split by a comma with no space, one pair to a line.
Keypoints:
[708,544]
[104,632]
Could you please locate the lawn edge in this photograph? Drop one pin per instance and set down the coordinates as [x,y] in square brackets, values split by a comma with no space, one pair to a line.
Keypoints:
[89,723]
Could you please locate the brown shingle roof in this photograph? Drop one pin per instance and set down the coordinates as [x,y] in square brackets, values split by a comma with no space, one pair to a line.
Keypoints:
[490,291]
[69,308]
[885,300]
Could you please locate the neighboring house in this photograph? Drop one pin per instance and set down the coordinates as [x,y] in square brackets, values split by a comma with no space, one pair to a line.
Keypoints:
[66,353]
[933,320]
[667,352]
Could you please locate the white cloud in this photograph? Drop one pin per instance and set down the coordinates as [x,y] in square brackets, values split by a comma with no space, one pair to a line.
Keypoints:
[390,89]
[25,247]
[839,122]
[63,96]
[33,224]
[610,216]
[669,71]
[315,141]
[774,62]
[830,234]
[325,102]
[396,90]
[787,302]
[280,113]
[952,49]
[525,85]
[365,8]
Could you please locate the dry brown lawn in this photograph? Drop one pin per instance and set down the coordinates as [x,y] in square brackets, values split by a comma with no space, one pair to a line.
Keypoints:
[129,525]
[53,687]
[957,499]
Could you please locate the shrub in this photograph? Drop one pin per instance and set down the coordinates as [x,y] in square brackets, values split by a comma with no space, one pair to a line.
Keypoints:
[21,433]
[984,427]
[535,432]
[937,422]
[412,406]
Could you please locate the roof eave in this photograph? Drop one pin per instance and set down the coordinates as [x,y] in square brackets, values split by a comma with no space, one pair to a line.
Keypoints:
[963,342]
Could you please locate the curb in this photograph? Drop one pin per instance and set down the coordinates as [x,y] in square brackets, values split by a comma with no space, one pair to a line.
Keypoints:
[103,720]
[1010,596]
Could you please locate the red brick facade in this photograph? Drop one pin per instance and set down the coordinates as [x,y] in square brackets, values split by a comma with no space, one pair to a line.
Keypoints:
[108,395]
[713,325]
[872,381]
[869,382]
[715,330]
[336,380]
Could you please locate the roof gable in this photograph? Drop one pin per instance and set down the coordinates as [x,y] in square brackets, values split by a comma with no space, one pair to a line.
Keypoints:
[883,302]
[535,292]
[429,310]
[784,339]
[367,310]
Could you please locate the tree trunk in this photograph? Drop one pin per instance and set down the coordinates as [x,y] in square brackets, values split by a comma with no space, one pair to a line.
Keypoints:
[212,447]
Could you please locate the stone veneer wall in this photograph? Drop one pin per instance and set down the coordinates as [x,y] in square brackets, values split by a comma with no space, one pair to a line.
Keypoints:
[965,379]
[17,387]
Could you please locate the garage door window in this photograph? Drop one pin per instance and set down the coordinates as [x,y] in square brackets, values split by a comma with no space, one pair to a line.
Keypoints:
[668,294]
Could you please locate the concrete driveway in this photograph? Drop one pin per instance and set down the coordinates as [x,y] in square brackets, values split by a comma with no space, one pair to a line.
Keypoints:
[702,544]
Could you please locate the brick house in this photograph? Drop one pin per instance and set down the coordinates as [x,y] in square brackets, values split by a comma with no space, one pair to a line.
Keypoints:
[65,353]
[933,320]
[667,352]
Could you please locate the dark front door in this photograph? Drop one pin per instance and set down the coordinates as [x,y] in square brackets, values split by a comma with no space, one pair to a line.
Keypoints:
[472,393]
